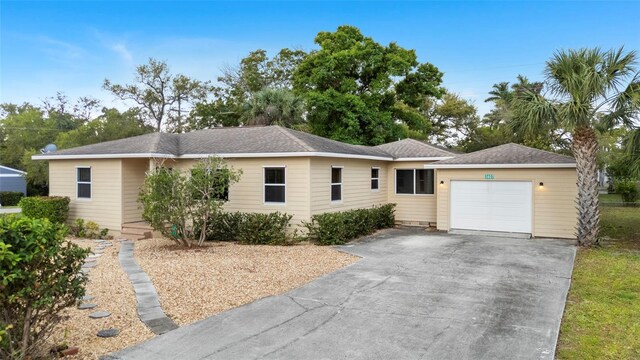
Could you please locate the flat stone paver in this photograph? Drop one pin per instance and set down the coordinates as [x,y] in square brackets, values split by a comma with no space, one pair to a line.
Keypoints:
[85,306]
[107,333]
[99,314]
[413,295]
[87,298]
[148,302]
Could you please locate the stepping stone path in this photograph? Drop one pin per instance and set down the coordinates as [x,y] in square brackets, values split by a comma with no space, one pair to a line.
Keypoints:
[148,302]
[85,306]
[99,314]
[107,333]
[90,262]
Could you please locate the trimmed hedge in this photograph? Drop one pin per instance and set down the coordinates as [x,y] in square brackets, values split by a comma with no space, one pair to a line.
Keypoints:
[250,228]
[337,228]
[10,198]
[54,208]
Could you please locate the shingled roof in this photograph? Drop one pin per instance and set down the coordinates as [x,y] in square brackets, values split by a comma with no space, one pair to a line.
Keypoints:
[507,155]
[415,149]
[226,142]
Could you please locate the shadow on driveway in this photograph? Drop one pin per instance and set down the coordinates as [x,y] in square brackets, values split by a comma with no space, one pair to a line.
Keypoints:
[413,295]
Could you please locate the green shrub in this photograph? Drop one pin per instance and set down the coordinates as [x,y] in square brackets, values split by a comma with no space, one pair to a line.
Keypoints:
[10,198]
[337,228]
[250,228]
[39,276]
[224,226]
[54,208]
[628,189]
[264,229]
[88,230]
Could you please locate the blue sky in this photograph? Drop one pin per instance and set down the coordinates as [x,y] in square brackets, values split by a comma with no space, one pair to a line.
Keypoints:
[73,46]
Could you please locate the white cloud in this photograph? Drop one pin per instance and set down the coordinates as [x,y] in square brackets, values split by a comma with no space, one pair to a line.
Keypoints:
[122,51]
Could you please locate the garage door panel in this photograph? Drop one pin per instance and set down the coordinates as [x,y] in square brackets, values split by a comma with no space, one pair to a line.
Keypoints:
[491,205]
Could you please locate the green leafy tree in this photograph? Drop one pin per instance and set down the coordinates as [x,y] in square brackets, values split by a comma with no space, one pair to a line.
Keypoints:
[238,84]
[181,205]
[585,86]
[454,119]
[39,277]
[274,107]
[157,93]
[110,125]
[352,86]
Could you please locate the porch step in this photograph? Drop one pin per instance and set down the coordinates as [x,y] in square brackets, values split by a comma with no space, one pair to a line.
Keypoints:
[131,236]
[136,231]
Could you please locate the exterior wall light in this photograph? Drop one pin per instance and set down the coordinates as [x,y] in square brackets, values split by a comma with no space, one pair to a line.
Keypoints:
[441,182]
[541,184]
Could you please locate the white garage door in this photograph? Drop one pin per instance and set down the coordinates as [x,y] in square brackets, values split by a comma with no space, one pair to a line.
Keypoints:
[491,205]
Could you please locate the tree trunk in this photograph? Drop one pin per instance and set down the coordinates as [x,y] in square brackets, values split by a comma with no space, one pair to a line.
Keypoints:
[585,148]
[26,331]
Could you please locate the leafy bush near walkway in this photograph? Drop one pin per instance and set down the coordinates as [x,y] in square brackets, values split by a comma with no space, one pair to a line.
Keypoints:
[251,228]
[39,277]
[337,228]
[54,208]
[10,198]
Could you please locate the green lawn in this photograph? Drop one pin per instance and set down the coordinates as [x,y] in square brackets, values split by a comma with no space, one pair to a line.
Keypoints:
[612,198]
[602,316]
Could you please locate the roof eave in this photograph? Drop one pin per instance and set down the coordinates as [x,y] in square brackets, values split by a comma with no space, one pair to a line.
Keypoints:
[501,166]
[222,155]
[100,156]
[428,158]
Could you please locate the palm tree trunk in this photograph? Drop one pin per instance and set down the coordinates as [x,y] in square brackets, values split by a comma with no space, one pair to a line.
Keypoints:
[585,148]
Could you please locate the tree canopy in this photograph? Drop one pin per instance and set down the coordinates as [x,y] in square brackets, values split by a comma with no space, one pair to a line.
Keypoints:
[360,91]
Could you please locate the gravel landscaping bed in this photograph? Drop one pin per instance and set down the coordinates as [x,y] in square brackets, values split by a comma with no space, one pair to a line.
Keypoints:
[199,282]
[112,292]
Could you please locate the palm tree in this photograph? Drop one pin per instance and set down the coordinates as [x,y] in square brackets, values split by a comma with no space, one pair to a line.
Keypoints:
[584,86]
[274,107]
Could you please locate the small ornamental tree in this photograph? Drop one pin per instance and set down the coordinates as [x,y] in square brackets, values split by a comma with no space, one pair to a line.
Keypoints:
[39,277]
[181,205]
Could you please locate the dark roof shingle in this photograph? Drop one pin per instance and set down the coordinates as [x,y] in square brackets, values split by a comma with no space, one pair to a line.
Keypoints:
[508,154]
[410,148]
[230,140]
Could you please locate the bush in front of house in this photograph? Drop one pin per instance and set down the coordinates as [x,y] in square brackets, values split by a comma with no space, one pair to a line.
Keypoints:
[180,205]
[224,226]
[264,229]
[251,228]
[54,208]
[337,228]
[39,277]
[10,198]
[628,190]
[88,230]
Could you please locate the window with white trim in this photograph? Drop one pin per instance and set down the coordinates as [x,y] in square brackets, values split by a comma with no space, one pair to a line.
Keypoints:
[336,183]
[274,185]
[83,182]
[375,178]
[414,181]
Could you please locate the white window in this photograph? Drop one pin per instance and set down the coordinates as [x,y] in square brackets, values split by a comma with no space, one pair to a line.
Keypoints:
[83,182]
[336,183]
[375,178]
[274,185]
[414,181]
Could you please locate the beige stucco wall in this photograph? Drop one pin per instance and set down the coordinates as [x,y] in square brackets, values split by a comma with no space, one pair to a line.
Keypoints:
[554,212]
[247,194]
[418,209]
[356,184]
[133,173]
[105,205]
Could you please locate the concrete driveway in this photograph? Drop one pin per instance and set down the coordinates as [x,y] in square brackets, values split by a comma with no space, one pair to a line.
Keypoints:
[413,295]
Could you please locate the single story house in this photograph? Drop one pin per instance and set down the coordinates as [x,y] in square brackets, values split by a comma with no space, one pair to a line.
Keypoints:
[12,180]
[509,188]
